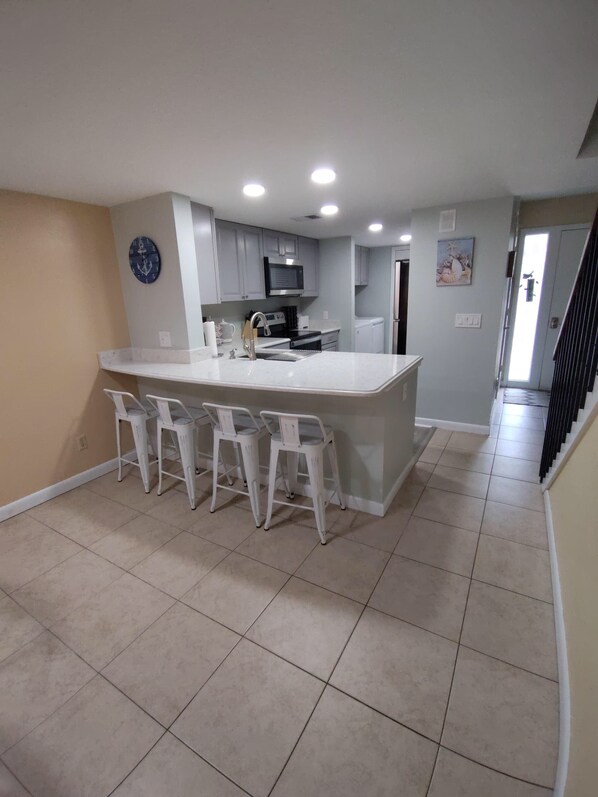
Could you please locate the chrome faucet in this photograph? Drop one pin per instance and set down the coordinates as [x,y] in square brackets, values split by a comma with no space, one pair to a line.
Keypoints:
[250,347]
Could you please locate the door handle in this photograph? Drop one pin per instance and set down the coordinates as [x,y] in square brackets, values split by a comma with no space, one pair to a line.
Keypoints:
[554,322]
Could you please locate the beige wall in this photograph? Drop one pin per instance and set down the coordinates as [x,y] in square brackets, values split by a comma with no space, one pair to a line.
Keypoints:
[578,209]
[60,303]
[574,502]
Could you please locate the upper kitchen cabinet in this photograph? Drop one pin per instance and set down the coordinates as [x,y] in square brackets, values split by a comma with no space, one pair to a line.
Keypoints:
[203,233]
[362,265]
[279,244]
[308,255]
[240,261]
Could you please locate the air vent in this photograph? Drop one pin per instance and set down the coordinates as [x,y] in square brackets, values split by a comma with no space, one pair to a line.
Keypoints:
[309,217]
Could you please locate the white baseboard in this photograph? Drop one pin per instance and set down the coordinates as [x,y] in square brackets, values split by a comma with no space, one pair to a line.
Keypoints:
[29,501]
[454,426]
[563,668]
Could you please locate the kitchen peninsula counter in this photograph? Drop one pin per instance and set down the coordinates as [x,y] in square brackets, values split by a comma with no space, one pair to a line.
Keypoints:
[326,373]
[368,399]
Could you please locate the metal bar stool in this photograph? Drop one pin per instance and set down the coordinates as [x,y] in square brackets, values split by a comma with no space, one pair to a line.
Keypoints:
[182,422]
[307,435]
[238,426]
[129,409]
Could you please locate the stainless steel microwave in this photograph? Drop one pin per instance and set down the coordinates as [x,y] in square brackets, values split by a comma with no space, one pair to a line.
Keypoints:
[284,277]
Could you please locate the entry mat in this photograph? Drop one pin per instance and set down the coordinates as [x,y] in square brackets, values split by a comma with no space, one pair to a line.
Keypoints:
[534,398]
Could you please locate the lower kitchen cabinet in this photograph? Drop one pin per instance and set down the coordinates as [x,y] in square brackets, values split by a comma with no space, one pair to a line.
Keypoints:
[369,335]
[240,261]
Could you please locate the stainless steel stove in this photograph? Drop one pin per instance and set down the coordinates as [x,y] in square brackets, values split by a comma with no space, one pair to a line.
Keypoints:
[305,339]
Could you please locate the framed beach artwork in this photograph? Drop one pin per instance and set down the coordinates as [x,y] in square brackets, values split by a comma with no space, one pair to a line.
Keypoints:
[454,262]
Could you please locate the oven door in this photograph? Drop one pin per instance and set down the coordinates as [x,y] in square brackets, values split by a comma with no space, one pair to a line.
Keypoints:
[312,343]
[283,278]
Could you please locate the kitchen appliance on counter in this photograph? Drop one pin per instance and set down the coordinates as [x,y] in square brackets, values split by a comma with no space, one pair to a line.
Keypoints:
[284,277]
[306,339]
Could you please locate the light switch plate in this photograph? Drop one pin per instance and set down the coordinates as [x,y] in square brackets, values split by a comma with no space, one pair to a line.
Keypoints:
[468,320]
[165,341]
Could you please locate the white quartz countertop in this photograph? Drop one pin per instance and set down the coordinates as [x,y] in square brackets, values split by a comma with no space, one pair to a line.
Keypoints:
[326,373]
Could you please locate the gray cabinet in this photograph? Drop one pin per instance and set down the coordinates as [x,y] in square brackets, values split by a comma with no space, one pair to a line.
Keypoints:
[240,261]
[330,341]
[362,265]
[204,237]
[308,255]
[279,244]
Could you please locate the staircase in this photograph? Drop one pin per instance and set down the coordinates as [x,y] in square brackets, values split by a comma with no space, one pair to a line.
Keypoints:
[573,400]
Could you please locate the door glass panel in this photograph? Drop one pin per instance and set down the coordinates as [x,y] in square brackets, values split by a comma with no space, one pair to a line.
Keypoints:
[528,304]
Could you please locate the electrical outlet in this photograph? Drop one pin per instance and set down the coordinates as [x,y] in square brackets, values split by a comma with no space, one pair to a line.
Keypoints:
[82,442]
[405,391]
[325,314]
[165,341]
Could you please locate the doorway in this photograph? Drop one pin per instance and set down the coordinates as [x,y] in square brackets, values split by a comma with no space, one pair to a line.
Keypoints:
[546,264]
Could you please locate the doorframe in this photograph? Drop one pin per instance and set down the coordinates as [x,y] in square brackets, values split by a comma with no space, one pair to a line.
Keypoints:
[398,252]
[552,256]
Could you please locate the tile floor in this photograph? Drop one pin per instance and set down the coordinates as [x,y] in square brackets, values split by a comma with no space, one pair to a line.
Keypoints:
[149,650]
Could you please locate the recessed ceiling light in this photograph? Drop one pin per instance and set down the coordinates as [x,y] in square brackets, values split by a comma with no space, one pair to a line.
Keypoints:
[328,210]
[405,238]
[253,189]
[323,176]
[375,227]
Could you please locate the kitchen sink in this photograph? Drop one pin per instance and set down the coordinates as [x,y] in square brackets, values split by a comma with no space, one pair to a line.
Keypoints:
[285,356]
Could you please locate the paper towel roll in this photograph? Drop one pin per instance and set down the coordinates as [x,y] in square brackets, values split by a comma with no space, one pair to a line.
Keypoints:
[209,333]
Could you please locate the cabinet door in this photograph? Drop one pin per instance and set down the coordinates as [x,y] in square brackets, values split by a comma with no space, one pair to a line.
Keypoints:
[229,262]
[308,255]
[287,245]
[205,254]
[253,263]
[364,343]
[361,267]
[279,244]
[378,338]
[365,265]
[271,243]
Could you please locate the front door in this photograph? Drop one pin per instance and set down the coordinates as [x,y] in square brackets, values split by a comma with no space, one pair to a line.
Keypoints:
[547,263]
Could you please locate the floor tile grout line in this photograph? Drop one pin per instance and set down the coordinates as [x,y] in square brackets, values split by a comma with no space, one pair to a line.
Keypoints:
[498,771]
[509,663]
[513,591]
[514,542]
[209,763]
[15,776]
[382,714]
[119,784]
[450,690]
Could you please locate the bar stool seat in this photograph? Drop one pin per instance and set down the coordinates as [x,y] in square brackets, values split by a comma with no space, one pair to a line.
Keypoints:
[182,422]
[240,427]
[141,417]
[307,435]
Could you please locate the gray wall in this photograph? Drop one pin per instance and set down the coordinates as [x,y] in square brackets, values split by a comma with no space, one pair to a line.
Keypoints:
[337,287]
[172,303]
[375,299]
[457,374]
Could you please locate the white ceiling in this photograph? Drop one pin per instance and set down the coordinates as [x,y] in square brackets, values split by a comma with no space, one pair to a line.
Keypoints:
[413,102]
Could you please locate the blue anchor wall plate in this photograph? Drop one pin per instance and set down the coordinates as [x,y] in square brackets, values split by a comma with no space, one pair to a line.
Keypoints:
[144,259]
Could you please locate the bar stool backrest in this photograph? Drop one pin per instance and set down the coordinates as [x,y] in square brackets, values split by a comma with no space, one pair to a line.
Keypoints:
[292,427]
[227,418]
[124,402]
[166,406]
